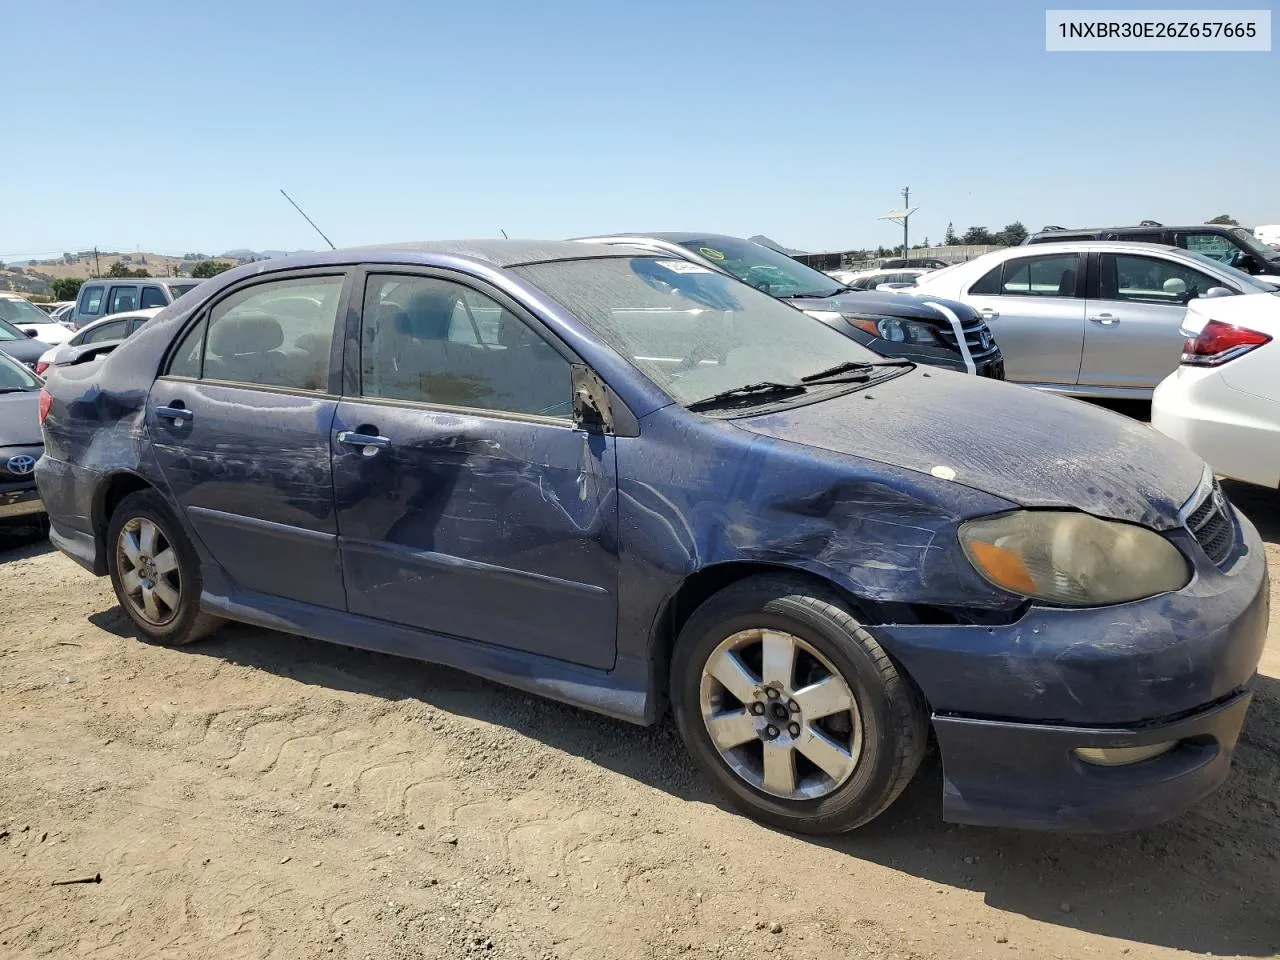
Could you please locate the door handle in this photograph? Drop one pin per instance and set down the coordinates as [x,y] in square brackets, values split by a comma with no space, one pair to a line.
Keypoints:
[369,443]
[179,415]
[1105,319]
[988,313]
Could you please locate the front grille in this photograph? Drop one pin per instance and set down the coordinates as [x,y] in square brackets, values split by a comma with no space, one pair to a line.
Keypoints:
[1211,523]
[973,329]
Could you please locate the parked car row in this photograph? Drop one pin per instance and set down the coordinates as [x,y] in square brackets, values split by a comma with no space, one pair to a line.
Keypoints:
[612,473]
[1089,318]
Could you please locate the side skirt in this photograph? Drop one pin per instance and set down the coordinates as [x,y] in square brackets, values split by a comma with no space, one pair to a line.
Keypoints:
[625,692]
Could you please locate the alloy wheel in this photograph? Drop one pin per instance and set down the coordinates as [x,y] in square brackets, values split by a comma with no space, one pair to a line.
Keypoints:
[148,569]
[780,714]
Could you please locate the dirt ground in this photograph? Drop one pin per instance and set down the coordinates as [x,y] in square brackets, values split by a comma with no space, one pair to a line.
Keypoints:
[261,795]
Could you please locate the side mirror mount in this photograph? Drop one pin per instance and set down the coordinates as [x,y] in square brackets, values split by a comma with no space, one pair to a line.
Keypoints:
[1214,292]
[591,408]
[31,332]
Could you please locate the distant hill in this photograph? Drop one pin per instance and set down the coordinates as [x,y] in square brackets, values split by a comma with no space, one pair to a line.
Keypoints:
[35,276]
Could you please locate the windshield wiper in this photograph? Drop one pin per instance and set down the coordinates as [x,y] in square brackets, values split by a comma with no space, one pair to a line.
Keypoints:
[14,389]
[852,366]
[749,393]
[811,295]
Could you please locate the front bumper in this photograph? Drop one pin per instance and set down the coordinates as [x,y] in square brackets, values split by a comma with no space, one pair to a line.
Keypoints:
[20,501]
[1026,775]
[1011,703]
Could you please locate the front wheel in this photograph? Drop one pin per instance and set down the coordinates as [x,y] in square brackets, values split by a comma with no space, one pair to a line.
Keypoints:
[155,571]
[792,709]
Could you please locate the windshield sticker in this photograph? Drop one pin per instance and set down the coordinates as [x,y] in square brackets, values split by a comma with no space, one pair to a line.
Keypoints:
[711,253]
[682,266]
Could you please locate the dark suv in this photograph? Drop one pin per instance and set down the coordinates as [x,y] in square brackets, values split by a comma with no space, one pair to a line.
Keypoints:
[1234,246]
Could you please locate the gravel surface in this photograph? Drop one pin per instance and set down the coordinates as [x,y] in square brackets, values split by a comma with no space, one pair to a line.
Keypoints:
[262,795]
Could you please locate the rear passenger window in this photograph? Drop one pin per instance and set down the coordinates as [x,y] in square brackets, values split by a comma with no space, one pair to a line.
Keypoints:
[989,284]
[271,334]
[189,353]
[153,297]
[433,341]
[91,301]
[122,299]
[116,330]
[1053,276]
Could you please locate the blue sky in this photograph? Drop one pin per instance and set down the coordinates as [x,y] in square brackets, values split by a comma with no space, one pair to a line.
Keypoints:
[171,127]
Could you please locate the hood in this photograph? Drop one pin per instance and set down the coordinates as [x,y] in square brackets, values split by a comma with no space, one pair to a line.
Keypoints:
[24,351]
[20,419]
[1027,447]
[906,305]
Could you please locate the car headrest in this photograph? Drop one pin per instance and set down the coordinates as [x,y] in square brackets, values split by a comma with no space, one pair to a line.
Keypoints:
[1175,286]
[245,333]
[427,315]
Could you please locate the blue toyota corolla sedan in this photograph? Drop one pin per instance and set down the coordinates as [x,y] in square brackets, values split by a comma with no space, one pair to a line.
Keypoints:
[627,481]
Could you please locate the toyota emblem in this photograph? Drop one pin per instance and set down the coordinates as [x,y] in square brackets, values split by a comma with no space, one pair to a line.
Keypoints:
[21,465]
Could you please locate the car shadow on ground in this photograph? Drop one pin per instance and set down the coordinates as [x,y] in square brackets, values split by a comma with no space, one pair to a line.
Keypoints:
[21,539]
[1170,886]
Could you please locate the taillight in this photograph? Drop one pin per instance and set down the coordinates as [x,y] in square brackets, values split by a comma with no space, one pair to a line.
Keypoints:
[41,367]
[1219,343]
[46,403]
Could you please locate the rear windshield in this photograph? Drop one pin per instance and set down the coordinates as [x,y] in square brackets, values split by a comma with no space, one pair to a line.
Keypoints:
[178,289]
[691,330]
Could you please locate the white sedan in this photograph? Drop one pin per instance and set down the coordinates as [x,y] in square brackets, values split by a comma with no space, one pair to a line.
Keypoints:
[1223,401]
[31,320]
[118,326]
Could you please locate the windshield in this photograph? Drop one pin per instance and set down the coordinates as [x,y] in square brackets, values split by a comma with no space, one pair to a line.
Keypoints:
[1250,283]
[774,273]
[1254,245]
[9,332]
[13,376]
[694,332]
[21,311]
[178,289]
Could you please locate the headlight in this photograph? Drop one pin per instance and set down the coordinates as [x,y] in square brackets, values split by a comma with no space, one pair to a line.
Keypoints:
[896,330]
[1072,559]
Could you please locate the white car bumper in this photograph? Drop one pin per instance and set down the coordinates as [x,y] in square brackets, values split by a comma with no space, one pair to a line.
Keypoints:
[1237,433]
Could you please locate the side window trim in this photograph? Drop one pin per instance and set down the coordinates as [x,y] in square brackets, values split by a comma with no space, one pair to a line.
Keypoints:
[353,368]
[201,318]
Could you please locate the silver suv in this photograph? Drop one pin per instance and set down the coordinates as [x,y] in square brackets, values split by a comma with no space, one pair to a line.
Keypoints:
[107,295]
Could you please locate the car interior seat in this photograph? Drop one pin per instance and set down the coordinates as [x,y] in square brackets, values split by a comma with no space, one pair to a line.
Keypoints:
[245,347]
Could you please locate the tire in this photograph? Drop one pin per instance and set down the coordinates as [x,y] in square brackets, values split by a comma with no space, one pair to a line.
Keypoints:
[172,617]
[881,738]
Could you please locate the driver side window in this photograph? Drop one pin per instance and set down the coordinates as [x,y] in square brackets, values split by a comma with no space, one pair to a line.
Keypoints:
[1151,280]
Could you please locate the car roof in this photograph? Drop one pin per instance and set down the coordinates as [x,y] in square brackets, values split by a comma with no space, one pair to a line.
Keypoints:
[146,314]
[1075,246]
[1138,226]
[499,253]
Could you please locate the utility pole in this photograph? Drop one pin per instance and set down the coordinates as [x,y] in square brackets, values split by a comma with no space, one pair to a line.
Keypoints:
[906,205]
[97,267]
[902,216]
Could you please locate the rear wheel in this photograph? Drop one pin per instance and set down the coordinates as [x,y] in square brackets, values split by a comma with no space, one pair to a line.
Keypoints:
[155,571]
[793,709]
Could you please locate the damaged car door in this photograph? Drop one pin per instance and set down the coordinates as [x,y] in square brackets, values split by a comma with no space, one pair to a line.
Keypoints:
[239,423]
[469,502]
